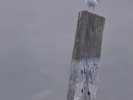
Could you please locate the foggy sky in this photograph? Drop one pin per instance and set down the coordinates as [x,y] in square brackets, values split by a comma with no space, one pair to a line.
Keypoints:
[36,42]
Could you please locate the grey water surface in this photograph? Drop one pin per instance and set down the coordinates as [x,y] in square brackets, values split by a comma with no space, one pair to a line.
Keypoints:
[36,42]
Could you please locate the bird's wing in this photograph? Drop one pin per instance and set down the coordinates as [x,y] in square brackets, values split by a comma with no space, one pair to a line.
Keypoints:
[98,1]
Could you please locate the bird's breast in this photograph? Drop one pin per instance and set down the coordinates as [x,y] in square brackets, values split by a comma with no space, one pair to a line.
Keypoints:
[91,2]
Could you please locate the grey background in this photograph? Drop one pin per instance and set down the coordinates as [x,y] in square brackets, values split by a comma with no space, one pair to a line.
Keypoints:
[36,42]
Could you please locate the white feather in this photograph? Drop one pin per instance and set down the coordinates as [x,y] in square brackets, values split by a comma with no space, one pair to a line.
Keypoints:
[92,2]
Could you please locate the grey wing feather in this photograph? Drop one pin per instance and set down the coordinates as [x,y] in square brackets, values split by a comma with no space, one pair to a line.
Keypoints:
[98,1]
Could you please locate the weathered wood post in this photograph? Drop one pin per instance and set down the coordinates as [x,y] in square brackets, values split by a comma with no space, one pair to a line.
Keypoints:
[86,57]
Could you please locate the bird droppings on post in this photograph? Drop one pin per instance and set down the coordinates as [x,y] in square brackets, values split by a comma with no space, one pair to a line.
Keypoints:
[81,80]
[86,57]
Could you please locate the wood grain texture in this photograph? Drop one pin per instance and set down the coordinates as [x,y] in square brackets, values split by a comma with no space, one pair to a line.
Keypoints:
[86,57]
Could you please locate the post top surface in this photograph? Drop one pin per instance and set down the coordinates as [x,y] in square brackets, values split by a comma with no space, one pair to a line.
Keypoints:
[91,14]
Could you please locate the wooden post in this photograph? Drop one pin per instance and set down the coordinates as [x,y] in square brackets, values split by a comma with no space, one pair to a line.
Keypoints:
[86,57]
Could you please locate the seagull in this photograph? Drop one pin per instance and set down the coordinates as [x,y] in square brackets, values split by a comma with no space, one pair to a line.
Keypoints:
[92,3]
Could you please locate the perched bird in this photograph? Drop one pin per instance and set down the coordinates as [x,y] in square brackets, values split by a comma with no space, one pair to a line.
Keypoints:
[92,3]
